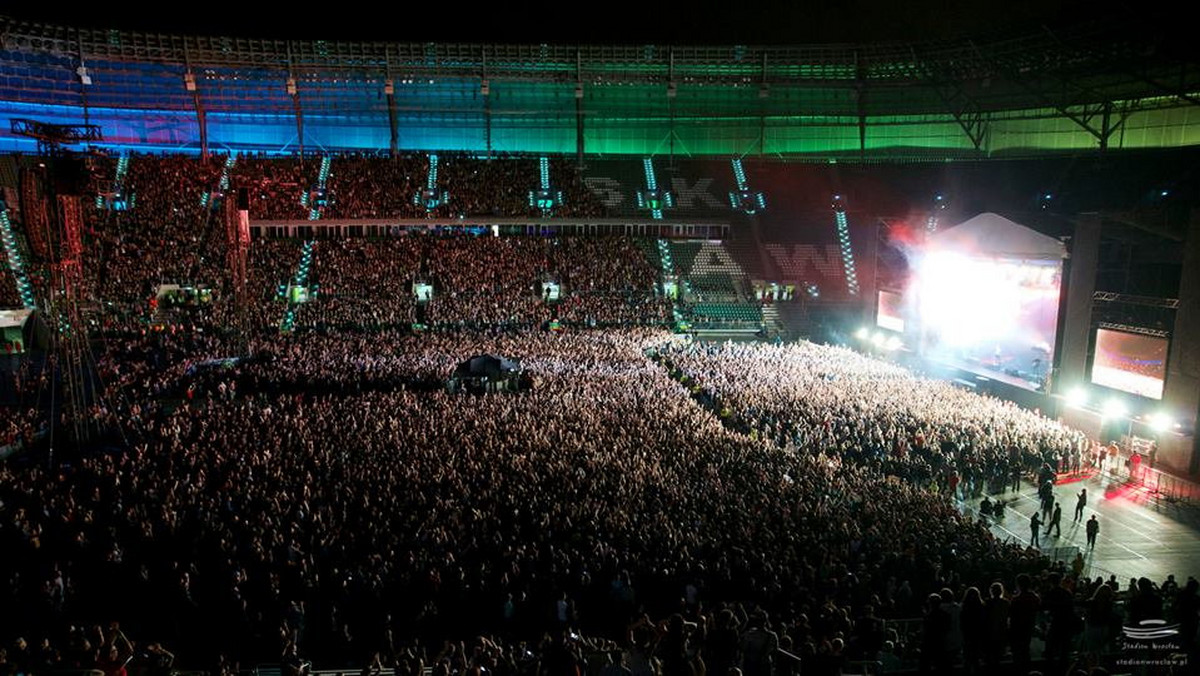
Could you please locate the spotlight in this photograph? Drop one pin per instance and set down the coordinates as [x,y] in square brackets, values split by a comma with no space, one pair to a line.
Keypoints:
[1077,398]
[1161,422]
[1114,408]
[878,339]
[893,344]
[862,334]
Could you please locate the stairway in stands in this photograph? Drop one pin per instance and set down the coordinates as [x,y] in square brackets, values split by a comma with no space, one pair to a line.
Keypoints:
[314,210]
[668,272]
[300,279]
[16,261]
[770,318]
[306,251]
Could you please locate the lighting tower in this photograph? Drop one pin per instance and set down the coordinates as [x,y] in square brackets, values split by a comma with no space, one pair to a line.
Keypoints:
[237,246]
[50,195]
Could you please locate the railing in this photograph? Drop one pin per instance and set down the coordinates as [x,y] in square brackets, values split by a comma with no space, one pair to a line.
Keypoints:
[1169,487]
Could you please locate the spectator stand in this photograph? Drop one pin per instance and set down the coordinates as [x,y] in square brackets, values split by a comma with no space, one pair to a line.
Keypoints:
[714,289]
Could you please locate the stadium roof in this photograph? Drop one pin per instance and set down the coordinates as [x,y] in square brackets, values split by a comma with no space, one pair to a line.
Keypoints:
[1087,84]
[707,22]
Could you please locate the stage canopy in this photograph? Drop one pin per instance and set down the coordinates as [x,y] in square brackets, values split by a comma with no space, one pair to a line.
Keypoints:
[487,366]
[994,236]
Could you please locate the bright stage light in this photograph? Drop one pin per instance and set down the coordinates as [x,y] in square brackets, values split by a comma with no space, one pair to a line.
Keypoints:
[1114,408]
[892,344]
[1161,422]
[862,334]
[878,339]
[1077,398]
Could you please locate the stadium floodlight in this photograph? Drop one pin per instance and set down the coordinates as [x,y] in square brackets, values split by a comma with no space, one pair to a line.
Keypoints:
[1077,398]
[1161,422]
[1114,408]
[863,333]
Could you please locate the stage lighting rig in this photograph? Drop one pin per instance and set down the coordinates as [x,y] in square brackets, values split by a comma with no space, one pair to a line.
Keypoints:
[655,200]
[747,201]
[744,199]
[1077,398]
[1114,409]
[51,136]
[545,198]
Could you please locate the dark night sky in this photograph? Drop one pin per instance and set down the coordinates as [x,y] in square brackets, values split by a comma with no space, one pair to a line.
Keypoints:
[598,21]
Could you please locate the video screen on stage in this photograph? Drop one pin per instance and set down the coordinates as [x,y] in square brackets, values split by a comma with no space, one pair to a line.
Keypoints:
[890,311]
[991,316]
[1130,362]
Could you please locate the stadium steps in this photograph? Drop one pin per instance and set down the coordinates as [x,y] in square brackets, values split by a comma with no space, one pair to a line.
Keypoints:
[667,266]
[300,279]
[11,243]
[770,318]
[794,318]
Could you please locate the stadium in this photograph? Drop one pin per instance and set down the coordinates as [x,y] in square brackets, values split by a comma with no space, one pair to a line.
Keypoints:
[764,357]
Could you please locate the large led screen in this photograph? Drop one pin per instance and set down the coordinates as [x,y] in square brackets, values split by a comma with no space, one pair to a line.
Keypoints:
[890,311]
[1130,362]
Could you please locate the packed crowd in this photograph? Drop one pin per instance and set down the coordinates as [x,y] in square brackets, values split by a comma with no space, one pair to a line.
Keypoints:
[169,235]
[363,514]
[363,283]
[367,284]
[650,505]
[172,233]
[275,186]
[379,186]
[325,499]
[369,186]
[809,396]
[479,187]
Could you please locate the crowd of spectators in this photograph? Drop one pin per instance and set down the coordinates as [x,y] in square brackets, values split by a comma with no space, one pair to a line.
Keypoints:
[169,235]
[481,187]
[579,200]
[363,283]
[807,396]
[326,496]
[367,185]
[258,506]
[370,186]
[651,504]
[275,186]
[270,269]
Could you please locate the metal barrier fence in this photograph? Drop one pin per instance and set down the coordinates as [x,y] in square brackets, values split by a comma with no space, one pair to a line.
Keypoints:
[1170,488]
